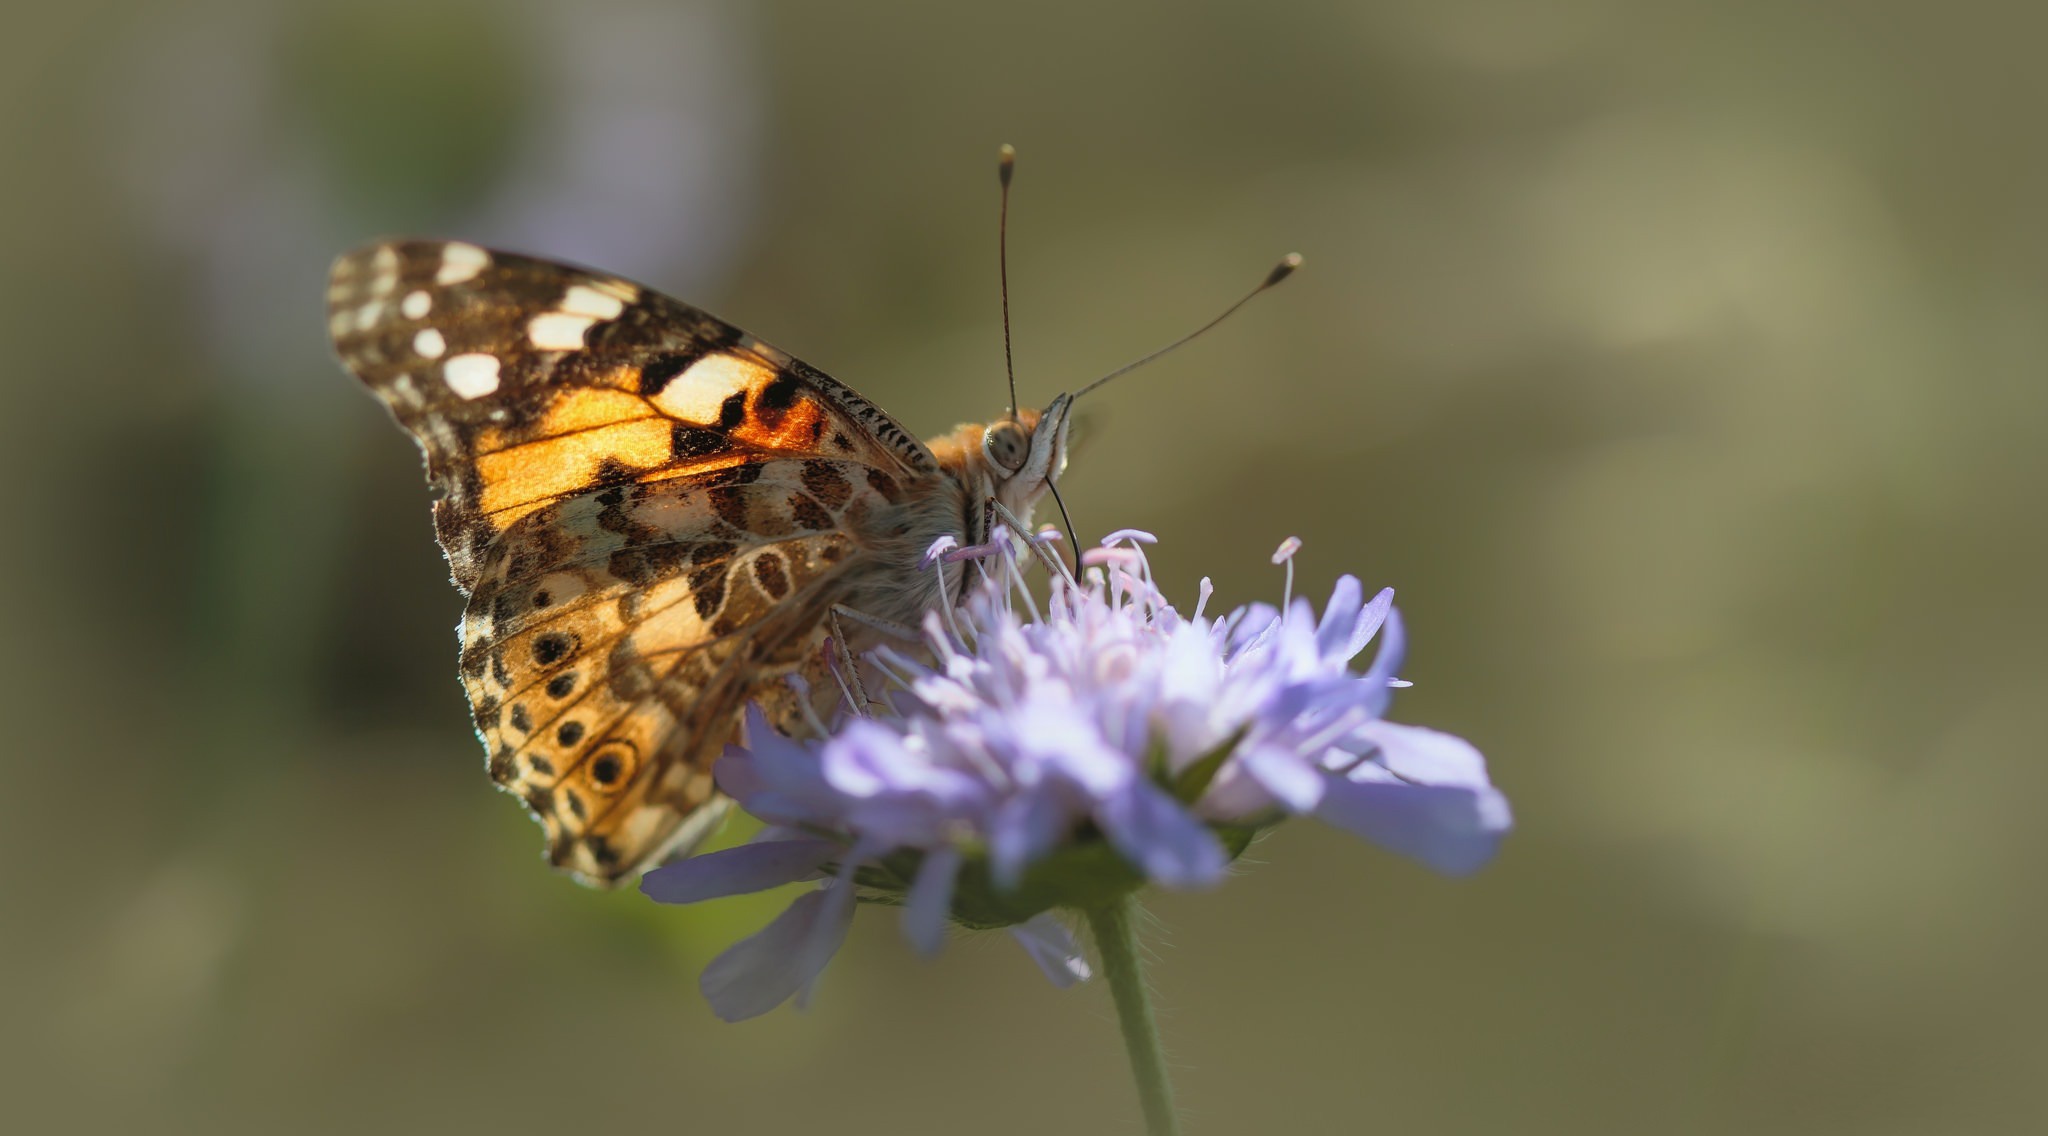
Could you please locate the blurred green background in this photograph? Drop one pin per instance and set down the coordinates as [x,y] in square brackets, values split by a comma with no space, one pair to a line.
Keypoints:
[1681,363]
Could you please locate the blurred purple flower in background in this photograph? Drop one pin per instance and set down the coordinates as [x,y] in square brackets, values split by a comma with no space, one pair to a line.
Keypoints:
[1062,755]
[254,143]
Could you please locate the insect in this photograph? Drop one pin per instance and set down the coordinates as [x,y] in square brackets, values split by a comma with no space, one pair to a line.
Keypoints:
[655,517]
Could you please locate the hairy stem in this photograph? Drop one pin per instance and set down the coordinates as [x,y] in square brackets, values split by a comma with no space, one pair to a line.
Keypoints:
[1116,938]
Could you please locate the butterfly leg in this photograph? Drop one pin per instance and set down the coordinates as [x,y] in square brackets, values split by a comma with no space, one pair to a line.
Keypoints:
[886,626]
[844,667]
[850,682]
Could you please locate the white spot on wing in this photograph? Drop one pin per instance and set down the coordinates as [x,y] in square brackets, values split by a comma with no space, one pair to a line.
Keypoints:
[384,263]
[366,316]
[586,301]
[429,343]
[461,261]
[415,305]
[339,323]
[473,375]
[558,331]
[695,395]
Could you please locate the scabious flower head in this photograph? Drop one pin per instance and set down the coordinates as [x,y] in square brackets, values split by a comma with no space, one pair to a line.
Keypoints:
[1060,755]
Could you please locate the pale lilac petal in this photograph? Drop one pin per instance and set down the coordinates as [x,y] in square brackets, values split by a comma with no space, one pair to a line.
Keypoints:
[1386,664]
[1297,783]
[1453,830]
[1340,615]
[1052,947]
[738,871]
[775,778]
[762,971]
[1160,838]
[1025,827]
[835,915]
[930,900]
[1368,624]
[1425,756]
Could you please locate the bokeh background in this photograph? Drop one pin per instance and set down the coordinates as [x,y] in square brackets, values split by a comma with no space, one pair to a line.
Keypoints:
[1683,364]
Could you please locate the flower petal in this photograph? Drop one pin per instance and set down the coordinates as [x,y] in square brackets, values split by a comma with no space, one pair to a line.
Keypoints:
[1430,800]
[1289,777]
[738,871]
[1052,947]
[1379,677]
[775,778]
[1425,756]
[1340,615]
[1368,624]
[1024,827]
[1160,838]
[760,972]
[930,900]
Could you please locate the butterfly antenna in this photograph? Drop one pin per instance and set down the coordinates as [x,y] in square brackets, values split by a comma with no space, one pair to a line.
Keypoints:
[1006,164]
[1281,271]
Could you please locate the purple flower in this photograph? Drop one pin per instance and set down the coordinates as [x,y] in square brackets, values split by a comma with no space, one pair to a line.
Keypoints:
[1035,758]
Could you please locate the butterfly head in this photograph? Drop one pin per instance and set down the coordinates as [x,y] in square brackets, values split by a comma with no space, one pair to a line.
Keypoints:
[1025,452]
[1012,460]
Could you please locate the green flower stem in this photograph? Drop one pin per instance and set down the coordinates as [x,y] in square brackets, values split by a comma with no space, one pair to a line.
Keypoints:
[1116,939]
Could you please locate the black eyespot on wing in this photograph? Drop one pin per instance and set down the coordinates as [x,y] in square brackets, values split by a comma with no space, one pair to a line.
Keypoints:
[552,647]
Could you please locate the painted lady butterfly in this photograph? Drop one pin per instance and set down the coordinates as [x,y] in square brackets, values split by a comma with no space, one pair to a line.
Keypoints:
[653,516]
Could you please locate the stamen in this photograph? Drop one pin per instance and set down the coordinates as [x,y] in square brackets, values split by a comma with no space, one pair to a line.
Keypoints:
[933,557]
[1023,588]
[1285,555]
[938,548]
[1099,556]
[802,690]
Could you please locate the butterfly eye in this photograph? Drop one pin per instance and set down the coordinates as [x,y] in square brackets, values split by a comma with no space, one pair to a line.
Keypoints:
[1005,444]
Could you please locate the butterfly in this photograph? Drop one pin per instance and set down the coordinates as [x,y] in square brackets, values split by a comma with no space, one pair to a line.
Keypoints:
[654,516]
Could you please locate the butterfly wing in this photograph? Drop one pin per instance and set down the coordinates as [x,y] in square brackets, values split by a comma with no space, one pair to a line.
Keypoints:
[650,510]
[527,382]
[614,636]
